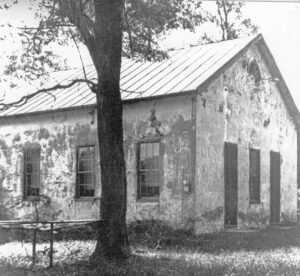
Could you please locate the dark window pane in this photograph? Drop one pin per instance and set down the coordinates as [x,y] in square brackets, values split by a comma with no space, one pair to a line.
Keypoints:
[31,167]
[81,190]
[153,191]
[149,170]
[86,165]
[143,191]
[86,153]
[34,180]
[28,179]
[32,172]
[86,171]
[146,178]
[155,161]
[156,178]
[142,165]
[142,178]
[155,149]
[143,152]
[149,150]
[35,191]
[86,178]
[254,175]
[28,191]
[85,190]
[156,191]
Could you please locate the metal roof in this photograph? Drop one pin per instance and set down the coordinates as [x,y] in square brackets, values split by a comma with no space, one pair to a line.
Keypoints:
[183,71]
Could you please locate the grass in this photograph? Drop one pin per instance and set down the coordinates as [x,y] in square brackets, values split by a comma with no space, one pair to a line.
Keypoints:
[158,250]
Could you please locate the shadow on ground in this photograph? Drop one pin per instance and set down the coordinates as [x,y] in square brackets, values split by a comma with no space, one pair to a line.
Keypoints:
[270,238]
[272,251]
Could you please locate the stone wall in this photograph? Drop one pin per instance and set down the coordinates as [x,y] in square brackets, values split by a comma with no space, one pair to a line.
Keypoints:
[236,109]
[174,126]
[191,130]
[58,134]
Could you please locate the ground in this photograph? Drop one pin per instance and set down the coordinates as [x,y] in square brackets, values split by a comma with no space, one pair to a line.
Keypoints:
[273,251]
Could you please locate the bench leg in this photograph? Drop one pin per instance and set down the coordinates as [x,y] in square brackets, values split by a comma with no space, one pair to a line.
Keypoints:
[51,245]
[33,248]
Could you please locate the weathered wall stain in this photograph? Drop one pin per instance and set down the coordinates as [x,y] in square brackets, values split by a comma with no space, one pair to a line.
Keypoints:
[244,109]
[43,134]
[213,214]
[238,106]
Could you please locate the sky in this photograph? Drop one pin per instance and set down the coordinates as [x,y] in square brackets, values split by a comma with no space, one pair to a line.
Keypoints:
[278,22]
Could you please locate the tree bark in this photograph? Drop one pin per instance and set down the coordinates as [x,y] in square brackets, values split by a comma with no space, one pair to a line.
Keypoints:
[112,241]
[103,38]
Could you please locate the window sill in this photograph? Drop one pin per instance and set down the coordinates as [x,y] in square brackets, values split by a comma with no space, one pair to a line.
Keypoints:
[148,200]
[87,199]
[32,198]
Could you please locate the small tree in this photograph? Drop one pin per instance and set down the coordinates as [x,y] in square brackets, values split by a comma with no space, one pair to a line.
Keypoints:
[229,20]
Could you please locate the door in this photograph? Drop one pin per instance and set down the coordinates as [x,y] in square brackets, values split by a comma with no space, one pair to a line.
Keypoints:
[231,184]
[275,187]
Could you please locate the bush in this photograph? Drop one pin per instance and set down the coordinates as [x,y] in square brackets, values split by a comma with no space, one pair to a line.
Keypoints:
[150,233]
[79,232]
[154,233]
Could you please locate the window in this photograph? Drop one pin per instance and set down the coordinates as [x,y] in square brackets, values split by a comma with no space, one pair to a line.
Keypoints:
[149,172]
[86,171]
[255,72]
[254,175]
[31,172]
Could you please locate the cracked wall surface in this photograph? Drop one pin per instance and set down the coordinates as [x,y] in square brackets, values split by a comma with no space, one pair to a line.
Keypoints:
[239,110]
[235,107]
[59,134]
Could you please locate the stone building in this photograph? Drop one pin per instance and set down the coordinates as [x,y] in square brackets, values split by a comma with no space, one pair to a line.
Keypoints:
[210,138]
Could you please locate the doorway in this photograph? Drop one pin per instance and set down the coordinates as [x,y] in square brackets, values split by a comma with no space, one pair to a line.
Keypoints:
[231,184]
[274,187]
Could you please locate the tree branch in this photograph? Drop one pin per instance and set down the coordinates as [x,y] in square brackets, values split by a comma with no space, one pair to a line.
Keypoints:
[43,28]
[129,32]
[73,10]
[221,20]
[80,56]
[23,100]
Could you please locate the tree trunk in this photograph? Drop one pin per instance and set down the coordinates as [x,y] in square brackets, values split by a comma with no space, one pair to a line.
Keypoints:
[112,241]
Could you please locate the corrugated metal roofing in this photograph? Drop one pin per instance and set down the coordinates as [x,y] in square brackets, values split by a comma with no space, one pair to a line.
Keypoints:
[183,71]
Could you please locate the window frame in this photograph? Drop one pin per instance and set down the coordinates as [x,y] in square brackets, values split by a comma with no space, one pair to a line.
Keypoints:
[77,193]
[38,174]
[160,170]
[257,184]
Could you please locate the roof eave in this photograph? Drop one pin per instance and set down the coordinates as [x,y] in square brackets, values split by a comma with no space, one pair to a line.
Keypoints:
[281,84]
[128,101]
